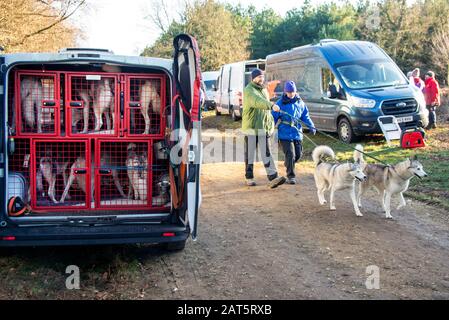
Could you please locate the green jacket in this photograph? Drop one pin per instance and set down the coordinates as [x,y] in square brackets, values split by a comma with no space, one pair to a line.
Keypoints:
[256,113]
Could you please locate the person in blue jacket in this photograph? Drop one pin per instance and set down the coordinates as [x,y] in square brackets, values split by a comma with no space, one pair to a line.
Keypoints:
[292,111]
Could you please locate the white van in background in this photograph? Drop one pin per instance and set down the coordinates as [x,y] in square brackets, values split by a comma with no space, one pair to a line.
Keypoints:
[210,85]
[232,80]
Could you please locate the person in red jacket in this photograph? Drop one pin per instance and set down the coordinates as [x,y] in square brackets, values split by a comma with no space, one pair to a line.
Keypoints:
[432,94]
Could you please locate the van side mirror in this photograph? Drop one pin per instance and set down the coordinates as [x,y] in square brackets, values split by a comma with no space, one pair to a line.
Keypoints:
[332,92]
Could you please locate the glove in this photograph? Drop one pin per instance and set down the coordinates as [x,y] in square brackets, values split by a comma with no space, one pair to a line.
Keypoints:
[312,131]
[276,108]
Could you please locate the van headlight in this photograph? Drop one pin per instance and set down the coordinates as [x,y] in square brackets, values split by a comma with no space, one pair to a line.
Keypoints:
[361,102]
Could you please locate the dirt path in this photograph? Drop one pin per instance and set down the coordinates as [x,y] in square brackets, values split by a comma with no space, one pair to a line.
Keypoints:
[256,243]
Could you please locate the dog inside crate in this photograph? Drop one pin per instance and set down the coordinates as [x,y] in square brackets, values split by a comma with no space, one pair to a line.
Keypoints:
[37,103]
[55,164]
[145,106]
[92,104]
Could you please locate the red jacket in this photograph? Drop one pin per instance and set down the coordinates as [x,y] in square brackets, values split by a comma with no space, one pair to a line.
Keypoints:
[432,92]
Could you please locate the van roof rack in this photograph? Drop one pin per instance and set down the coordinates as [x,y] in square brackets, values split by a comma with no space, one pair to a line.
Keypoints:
[65,50]
[327,41]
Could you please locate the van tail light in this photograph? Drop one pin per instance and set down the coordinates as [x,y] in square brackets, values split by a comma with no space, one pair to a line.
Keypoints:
[168,234]
[9,238]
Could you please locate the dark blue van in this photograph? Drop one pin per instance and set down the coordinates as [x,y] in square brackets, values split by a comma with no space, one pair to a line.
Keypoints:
[347,85]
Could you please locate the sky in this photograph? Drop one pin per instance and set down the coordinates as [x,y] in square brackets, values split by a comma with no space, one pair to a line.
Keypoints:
[124,27]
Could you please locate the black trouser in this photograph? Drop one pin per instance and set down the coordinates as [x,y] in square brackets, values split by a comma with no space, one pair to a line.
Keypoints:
[261,142]
[432,116]
[293,152]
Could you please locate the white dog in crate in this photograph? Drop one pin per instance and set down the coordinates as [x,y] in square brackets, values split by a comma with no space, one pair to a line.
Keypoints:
[50,169]
[79,163]
[137,170]
[31,92]
[104,104]
[149,93]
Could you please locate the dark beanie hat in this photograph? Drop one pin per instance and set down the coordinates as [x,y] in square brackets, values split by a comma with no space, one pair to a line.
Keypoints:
[255,73]
[290,86]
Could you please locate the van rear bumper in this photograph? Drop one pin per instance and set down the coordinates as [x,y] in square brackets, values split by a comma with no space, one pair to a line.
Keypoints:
[91,235]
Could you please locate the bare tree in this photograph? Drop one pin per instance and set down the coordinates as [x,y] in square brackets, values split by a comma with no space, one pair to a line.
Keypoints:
[440,44]
[37,24]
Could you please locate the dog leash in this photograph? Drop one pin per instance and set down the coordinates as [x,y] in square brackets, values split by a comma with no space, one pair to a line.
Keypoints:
[334,139]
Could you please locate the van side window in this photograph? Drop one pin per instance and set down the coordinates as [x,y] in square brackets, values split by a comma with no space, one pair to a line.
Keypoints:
[310,79]
[328,79]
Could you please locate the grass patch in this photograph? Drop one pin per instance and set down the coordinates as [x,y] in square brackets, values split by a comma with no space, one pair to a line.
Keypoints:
[221,123]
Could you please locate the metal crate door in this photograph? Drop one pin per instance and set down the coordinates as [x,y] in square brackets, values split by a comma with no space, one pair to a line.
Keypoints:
[145,101]
[37,103]
[63,168]
[122,174]
[19,168]
[92,105]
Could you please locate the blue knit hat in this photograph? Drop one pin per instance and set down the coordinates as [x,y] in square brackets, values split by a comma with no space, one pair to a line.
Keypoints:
[290,86]
[255,73]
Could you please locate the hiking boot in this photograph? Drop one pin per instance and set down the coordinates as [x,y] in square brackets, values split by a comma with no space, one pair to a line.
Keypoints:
[250,182]
[276,182]
[291,181]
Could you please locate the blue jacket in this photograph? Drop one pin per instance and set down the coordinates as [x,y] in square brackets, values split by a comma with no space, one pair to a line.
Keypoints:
[292,110]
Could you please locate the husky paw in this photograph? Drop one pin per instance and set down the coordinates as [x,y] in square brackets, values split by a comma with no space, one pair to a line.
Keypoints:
[323,202]
[359,214]
[389,216]
[333,208]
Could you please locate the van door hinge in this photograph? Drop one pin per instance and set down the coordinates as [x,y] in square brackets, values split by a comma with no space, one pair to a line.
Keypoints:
[191,156]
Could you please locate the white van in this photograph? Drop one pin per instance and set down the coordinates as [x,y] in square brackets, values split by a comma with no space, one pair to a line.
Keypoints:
[210,85]
[232,80]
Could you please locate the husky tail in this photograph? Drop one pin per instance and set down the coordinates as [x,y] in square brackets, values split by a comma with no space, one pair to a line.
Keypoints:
[358,155]
[321,151]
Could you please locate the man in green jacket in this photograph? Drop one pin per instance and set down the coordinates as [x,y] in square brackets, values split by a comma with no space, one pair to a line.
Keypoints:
[258,125]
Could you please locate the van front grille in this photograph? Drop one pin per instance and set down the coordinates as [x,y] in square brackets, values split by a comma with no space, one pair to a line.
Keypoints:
[399,107]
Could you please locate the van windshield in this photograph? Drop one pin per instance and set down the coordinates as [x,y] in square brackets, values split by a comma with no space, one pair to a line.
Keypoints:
[209,84]
[371,74]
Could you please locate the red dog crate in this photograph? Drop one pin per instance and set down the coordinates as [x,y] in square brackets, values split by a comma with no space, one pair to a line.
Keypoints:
[122,174]
[92,104]
[144,104]
[37,103]
[60,165]
[110,161]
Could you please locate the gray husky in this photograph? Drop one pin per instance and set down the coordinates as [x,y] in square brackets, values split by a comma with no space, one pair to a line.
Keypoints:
[335,176]
[388,180]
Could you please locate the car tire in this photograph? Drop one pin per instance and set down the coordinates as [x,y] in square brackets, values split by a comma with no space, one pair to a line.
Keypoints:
[345,131]
[217,113]
[175,246]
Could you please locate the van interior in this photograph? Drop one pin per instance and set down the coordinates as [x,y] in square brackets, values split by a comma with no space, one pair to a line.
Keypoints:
[88,138]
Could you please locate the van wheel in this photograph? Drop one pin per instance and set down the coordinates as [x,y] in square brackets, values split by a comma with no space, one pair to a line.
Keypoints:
[345,131]
[217,113]
[175,246]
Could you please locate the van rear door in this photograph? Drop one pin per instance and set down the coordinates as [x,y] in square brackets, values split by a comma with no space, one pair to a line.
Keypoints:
[187,74]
